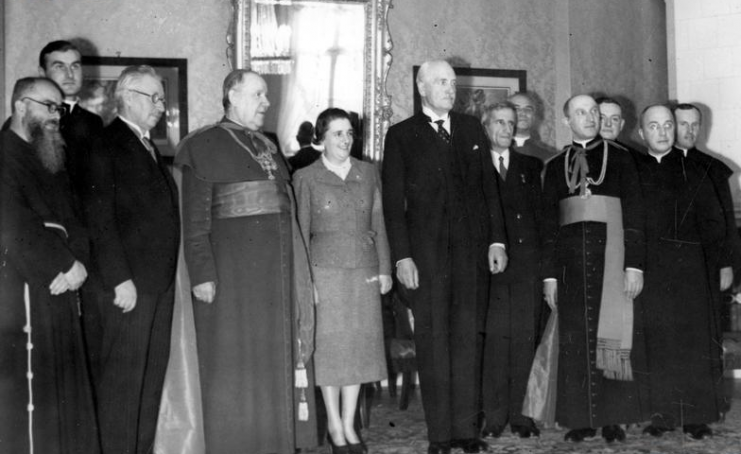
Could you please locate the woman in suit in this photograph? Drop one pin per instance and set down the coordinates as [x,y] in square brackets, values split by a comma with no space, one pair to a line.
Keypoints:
[341,219]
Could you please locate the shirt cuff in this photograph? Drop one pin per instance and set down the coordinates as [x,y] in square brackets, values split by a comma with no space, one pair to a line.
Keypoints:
[549,279]
[633,269]
[399,261]
[501,245]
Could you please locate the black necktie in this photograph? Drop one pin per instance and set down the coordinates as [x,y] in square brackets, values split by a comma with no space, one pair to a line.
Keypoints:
[442,132]
[502,168]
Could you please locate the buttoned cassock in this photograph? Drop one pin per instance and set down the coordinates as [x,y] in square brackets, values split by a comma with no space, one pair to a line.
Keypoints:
[575,255]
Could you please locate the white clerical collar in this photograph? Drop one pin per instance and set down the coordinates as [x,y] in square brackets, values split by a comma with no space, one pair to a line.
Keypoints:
[684,151]
[135,128]
[520,141]
[659,157]
[583,143]
[341,170]
[72,103]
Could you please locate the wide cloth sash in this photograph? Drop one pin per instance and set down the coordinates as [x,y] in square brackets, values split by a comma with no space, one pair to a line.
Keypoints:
[615,329]
[249,198]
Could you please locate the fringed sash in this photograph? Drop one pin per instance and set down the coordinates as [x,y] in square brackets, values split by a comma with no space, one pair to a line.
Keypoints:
[615,330]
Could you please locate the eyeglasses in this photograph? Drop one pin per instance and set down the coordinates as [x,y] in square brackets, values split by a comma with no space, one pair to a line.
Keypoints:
[154,97]
[52,106]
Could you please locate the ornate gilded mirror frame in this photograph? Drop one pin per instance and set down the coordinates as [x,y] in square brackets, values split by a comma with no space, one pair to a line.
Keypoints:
[376,101]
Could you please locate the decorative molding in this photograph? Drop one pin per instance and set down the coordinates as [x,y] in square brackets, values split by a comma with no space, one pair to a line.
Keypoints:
[376,101]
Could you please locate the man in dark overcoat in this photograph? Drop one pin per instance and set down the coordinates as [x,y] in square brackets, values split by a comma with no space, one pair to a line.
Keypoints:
[593,257]
[442,231]
[513,322]
[131,207]
[685,237]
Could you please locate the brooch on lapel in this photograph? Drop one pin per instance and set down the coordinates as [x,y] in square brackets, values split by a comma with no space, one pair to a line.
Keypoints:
[475,147]
[522,178]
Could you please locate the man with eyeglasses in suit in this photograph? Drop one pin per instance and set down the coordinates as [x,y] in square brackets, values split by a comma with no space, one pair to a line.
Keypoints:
[131,208]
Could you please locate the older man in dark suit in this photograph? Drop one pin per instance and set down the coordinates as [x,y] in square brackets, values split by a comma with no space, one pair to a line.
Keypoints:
[513,323]
[439,224]
[131,205]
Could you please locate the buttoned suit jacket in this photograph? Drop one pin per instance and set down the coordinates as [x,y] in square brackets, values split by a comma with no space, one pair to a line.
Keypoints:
[521,196]
[131,206]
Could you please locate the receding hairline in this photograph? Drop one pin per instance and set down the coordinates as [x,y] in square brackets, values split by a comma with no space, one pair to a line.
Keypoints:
[645,110]
[425,67]
[567,104]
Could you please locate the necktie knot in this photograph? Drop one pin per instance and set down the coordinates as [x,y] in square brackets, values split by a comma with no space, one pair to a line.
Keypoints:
[442,132]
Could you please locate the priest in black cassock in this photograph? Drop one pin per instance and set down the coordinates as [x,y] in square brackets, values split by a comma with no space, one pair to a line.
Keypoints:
[46,402]
[593,260]
[685,236]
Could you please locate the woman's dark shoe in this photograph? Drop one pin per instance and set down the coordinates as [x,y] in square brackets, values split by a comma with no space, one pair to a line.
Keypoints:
[578,435]
[336,449]
[698,431]
[613,433]
[356,448]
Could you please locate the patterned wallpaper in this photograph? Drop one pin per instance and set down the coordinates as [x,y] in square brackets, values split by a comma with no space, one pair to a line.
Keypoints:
[614,47]
[191,29]
[498,34]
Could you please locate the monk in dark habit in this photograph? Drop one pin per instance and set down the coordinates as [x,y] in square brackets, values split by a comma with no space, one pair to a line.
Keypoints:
[46,402]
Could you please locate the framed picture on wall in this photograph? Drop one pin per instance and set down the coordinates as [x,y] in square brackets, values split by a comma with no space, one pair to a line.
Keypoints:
[99,85]
[478,88]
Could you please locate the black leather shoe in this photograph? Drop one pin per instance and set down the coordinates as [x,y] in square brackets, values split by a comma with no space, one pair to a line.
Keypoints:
[656,431]
[494,431]
[470,445]
[578,435]
[698,431]
[437,447]
[525,431]
[613,433]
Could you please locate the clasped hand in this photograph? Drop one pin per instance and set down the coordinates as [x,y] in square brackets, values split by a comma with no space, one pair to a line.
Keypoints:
[71,280]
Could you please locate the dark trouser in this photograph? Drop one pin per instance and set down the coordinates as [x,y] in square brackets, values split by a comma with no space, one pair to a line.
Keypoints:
[448,343]
[134,350]
[512,332]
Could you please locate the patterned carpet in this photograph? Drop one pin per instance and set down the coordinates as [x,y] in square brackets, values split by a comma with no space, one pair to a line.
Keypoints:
[393,431]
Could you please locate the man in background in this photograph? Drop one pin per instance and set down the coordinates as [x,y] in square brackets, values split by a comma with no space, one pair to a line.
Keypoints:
[526,141]
[131,208]
[688,120]
[307,154]
[61,62]
[45,391]
[611,118]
